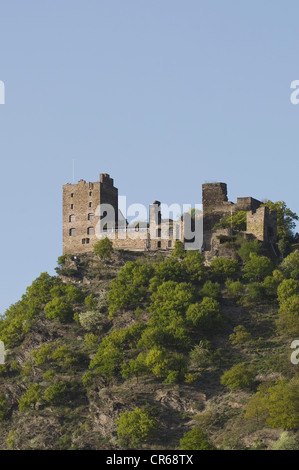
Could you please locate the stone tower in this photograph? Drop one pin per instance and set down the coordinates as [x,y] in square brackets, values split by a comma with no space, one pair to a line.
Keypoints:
[81,212]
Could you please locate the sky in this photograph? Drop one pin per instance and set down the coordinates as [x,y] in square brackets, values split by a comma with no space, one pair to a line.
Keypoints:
[162,95]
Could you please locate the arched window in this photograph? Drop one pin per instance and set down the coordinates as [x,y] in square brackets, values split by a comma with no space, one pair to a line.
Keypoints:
[72,218]
[72,232]
[90,216]
[90,231]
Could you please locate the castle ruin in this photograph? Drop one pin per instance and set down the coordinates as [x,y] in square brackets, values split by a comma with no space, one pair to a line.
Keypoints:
[86,220]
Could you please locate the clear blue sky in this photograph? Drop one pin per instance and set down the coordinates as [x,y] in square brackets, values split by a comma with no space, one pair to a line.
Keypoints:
[162,95]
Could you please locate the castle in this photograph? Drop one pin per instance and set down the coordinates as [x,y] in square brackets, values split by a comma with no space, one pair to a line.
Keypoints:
[87,218]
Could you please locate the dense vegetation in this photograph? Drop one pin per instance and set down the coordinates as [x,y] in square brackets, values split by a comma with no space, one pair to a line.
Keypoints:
[157,351]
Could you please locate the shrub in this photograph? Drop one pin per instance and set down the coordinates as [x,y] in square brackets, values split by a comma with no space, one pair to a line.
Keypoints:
[235,288]
[58,309]
[135,427]
[224,268]
[55,392]
[239,376]
[179,249]
[32,395]
[257,268]
[103,248]
[286,289]
[91,320]
[286,441]
[196,439]
[240,335]
[211,289]
[288,320]
[290,265]
[247,248]
[206,315]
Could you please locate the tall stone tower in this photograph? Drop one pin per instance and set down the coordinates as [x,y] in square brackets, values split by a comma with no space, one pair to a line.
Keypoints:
[81,214]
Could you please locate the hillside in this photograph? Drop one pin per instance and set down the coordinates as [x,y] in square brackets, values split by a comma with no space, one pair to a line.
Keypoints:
[146,339]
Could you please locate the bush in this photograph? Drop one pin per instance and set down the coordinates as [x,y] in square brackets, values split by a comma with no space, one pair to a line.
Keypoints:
[247,248]
[239,376]
[286,289]
[32,395]
[195,439]
[55,392]
[135,427]
[91,320]
[257,268]
[103,248]
[240,335]
[290,265]
[235,288]
[286,441]
[224,268]
[58,309]
[211,289]
[179,249]
[206,315]
[288,320]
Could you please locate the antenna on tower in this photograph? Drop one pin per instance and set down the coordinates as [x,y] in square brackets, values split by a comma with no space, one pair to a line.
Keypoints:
[73,171]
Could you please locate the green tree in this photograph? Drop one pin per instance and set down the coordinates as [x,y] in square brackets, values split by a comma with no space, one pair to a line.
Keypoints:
[224,268]
[285,218]
[287,289]
[249,247]
[206,315]
[240,335]
[257,268]
[179,250]
[55,392]
[211,289]
[194,267]
[288,320]
[290,265]
[59,309]
[135,427]
[32,395]
[239,376]
[196,439]
[103,248]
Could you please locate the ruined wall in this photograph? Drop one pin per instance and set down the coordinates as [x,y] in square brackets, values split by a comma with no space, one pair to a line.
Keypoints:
[263,225]
[215,206]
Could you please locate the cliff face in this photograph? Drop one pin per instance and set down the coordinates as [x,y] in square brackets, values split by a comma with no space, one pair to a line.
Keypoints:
[77,360]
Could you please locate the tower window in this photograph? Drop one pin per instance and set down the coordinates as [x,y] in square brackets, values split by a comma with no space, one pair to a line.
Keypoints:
[90,204]
[170,243]
[90,193]
[72,218]
[72,232]
[90,231]
[90,216]
[159,244]
[87,240]
[83,241]
[72,194]
[72,206]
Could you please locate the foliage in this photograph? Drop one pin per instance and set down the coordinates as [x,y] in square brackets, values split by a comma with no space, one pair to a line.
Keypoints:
[206,315]
[286,289]
[240,336]
[91,320]
[288,320]
[211,289]
[257,268]
[55,393]
[286,441]
[278,404]
[103,248]
[285,218]
[235,288]
[179,249]
[59,309]
[236,221]
[196,439]
[249,247]
[193,264]
[224,268]
[135,427]
[239,376]
[290,265]
[32,395]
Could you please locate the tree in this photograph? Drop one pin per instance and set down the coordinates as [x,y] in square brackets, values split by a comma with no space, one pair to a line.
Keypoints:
[285,218]
[55,392]
[206,315]
[237,221]
[257,268]
[239,376]
[211,289]
[32,395]
[249,247]
[196,439]
[224,268]
[290,265]
[135,427]
[103,248]
[240,335]
[179,249]
[58,309]
[288,320]
[193,263]
[286,289]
